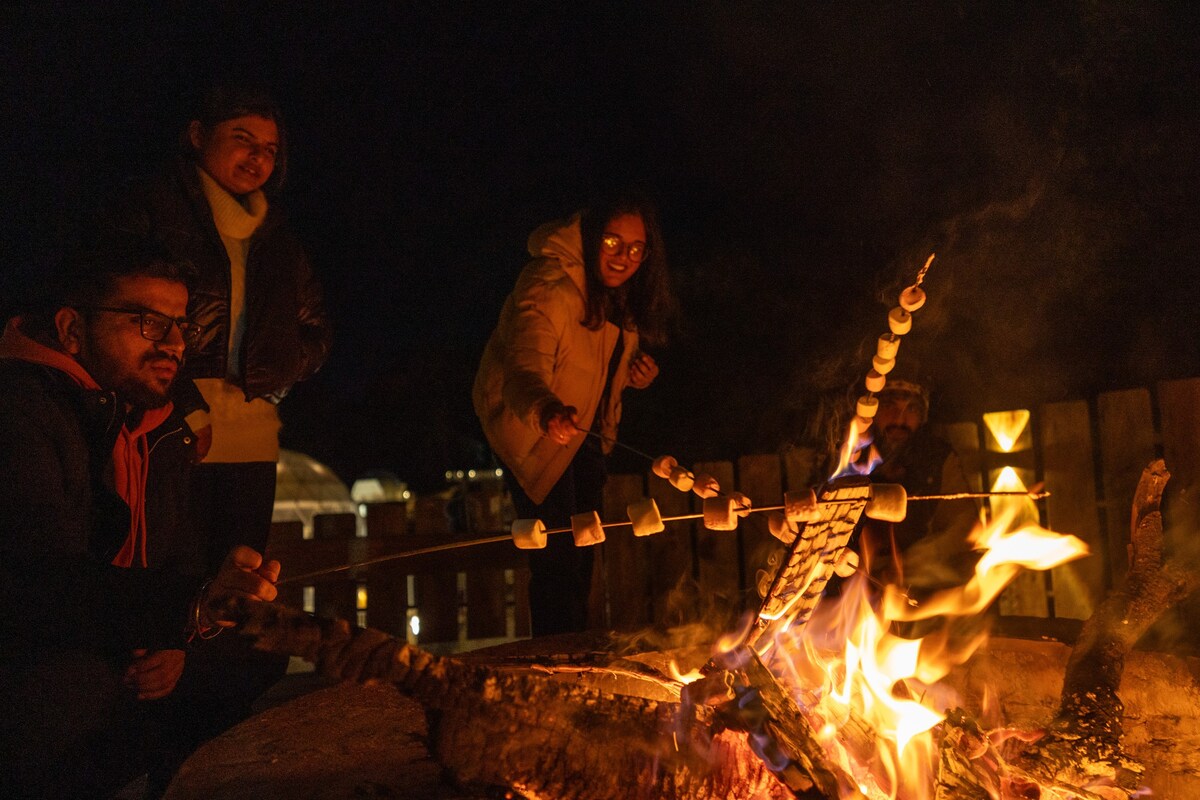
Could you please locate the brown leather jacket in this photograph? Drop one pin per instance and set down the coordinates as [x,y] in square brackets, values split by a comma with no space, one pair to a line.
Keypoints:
[287,330]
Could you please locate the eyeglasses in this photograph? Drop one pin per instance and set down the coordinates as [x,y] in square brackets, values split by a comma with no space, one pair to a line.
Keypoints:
[154,326]
[613,245]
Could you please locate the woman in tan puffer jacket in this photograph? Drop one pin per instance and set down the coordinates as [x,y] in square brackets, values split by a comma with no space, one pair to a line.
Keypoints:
[566,346]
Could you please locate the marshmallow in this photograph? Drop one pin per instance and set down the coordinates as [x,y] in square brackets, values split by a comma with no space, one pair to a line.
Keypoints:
[912,298]
[847,565]
[741,504]
[781,528]
[529,534]
[706,485]
[801,506]
[681,478]
[899,321]
[586,529]
[719,514]
[874,381]
[888,503]
[645,517]
[887,346]
[867,406]
[883,365]
[663,466]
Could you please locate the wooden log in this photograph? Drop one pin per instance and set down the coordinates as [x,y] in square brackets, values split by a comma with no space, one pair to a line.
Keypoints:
[1089,727]
[527,730]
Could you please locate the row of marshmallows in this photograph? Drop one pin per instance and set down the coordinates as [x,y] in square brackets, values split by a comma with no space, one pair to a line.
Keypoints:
[899,323]
[888,502]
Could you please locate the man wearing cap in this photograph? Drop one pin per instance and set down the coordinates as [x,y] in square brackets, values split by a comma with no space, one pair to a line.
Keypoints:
[930,547]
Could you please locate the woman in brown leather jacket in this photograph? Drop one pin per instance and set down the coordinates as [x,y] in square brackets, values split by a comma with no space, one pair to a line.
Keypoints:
[567,344]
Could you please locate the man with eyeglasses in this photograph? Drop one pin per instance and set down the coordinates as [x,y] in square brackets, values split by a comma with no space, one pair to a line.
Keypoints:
[101,581]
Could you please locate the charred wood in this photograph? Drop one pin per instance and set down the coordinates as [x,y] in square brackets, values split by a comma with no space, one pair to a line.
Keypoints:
[528,731]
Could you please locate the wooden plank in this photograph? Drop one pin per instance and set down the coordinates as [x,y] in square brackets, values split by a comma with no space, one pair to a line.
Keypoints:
[335,526]
[387,598]
[437,605]
[1069,472]
[761,479]
[486,605]
[522,624]
[800,468]
[717,551]
[1126,424]
[671,557]
[628,578]
[387,519]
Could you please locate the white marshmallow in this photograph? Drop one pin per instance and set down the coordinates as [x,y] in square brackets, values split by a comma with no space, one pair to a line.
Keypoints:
[645,517]
[912,298]
[663,465]
[719,514]
[529,534]
[801,506]
[888,503]
[887,346]
[706,485]
[867,406]
[586,529]
[847,565]
[681,478]
[741,504]
[900,321]
[883,365]
[781,528]
[874,381]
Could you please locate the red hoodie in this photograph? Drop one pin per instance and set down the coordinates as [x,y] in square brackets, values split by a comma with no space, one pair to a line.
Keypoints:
[130,457]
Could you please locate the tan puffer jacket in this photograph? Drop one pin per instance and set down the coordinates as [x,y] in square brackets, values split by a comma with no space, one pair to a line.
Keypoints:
[541,352]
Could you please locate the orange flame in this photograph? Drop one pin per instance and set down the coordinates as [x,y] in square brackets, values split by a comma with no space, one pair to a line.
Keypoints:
[850,673]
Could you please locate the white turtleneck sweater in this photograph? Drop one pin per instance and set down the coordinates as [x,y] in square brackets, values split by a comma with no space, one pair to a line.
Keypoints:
[242,431]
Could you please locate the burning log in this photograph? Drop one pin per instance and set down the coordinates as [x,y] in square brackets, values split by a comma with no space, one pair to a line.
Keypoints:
[1085,736]
[531,731]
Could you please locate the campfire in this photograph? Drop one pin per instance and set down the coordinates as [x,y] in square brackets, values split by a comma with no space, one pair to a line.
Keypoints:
[818,696]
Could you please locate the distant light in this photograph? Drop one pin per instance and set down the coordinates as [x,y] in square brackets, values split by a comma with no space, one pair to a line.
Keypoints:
[499,472]
[449,475]
[362,509]
[407,495]
[459,474]
[470,473]
[414,625]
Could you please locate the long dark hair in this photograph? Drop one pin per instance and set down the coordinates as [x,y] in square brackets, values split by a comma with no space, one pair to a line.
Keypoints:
[645,301]
[218,104]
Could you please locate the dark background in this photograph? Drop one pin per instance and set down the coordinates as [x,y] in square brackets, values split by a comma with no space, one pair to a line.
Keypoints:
[807,157]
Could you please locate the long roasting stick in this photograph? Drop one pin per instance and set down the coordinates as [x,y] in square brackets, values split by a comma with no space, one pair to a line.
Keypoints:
[439,548]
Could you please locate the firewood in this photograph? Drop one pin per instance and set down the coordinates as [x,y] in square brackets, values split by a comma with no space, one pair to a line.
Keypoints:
[1084,740]
[530,731]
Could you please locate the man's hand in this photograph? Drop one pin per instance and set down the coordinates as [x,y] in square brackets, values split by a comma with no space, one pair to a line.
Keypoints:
[559,423]
[243,575]
[203,443]
[642,371]
[154,673]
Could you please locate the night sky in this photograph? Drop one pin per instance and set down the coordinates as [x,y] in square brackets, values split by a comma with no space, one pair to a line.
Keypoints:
[807,157]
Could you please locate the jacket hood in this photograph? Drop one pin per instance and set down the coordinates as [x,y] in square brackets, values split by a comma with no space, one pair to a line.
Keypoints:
[562,242]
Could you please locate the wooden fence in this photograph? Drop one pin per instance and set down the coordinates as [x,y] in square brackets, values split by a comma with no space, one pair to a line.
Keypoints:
[1088,454]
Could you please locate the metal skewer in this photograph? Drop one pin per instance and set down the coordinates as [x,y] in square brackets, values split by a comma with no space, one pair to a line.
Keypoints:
[438,548]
